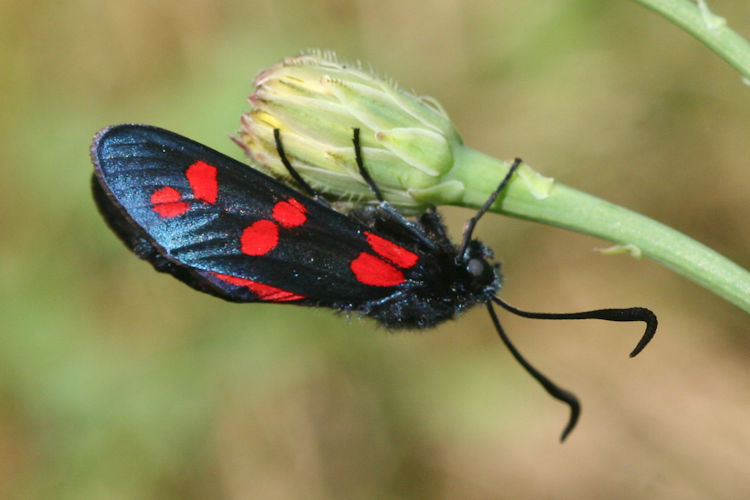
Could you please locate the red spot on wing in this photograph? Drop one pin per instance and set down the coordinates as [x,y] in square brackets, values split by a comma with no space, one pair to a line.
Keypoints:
[260,237]
[264,292]
[290,213]
[202,179]
[370,270]
[399,255]
[167,202]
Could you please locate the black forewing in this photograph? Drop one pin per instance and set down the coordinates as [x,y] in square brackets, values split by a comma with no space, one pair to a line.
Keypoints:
[312,260]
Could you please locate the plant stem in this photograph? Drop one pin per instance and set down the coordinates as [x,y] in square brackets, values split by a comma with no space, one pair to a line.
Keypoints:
[572,209]
[708,28]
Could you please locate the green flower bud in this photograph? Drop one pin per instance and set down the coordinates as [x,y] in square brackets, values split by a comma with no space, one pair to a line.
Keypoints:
[408,142]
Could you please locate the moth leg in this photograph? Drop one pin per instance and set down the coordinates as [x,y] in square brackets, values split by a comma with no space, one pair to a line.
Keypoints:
[361,166]
[487,204]
[289,168]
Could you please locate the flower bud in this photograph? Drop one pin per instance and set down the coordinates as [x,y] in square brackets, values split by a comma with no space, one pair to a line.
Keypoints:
[407,142]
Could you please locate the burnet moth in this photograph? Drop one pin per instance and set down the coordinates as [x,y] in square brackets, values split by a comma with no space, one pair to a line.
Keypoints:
[228,230]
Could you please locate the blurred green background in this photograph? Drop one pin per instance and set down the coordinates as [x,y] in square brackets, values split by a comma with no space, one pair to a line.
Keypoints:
[117,382]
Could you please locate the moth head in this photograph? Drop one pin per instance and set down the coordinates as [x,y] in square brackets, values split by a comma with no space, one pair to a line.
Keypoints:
[483,274]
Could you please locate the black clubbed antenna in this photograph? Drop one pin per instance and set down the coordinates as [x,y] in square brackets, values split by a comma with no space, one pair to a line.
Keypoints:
[552,389]
[627,314]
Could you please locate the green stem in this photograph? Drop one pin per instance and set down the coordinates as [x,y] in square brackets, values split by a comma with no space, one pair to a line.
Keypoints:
[531,196]
[708,28]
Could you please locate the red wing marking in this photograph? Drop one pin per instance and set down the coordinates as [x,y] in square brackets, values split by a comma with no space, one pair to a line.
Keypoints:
[260,237]
[202,179]
[264,292]
[290,213]
[370,270]
[166,202]
[399,255]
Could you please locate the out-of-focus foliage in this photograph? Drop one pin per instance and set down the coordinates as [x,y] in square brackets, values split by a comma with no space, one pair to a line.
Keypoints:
[117,382]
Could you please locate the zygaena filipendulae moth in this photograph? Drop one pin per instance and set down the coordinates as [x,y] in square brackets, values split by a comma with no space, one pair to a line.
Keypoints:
[228,230]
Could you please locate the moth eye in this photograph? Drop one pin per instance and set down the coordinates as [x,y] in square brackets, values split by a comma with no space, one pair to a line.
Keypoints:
[475,267]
